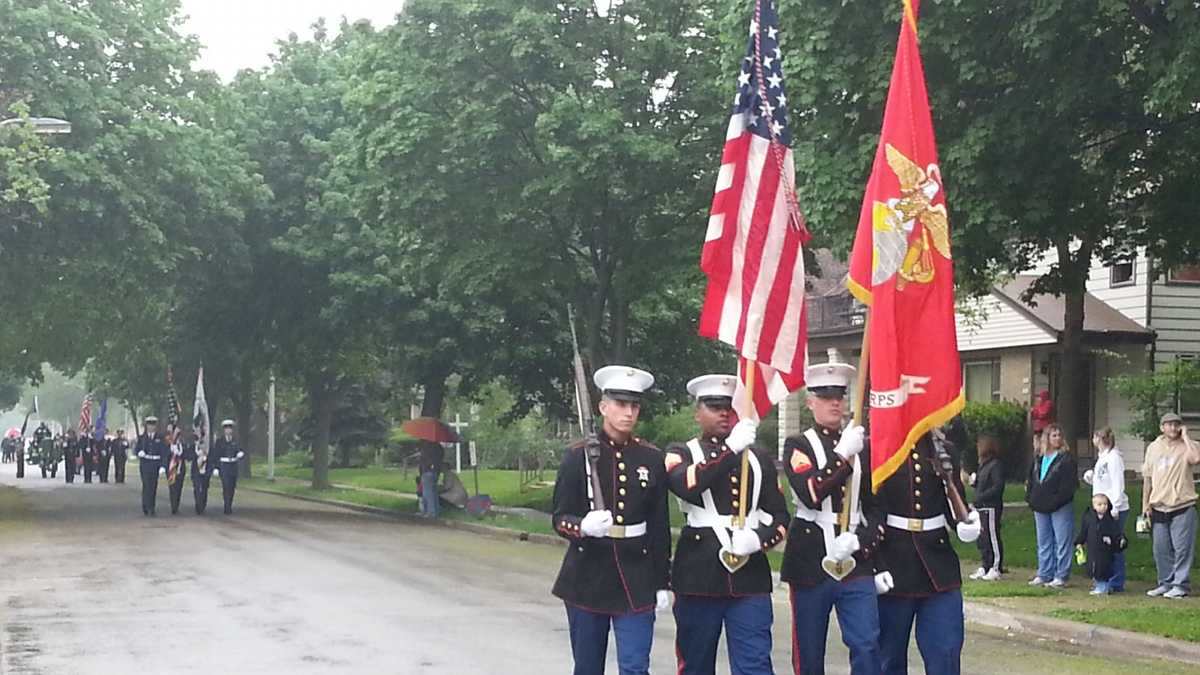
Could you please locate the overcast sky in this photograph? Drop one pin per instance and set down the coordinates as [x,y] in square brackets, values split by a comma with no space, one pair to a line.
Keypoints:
[240,34]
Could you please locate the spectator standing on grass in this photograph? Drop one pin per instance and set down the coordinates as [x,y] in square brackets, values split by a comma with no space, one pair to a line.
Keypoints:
[1108,479]
[1169,499]
[1050,492]
[989,502]
[431,466]
[1103,539]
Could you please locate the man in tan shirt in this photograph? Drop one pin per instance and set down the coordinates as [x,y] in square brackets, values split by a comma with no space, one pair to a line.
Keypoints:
[1169,499]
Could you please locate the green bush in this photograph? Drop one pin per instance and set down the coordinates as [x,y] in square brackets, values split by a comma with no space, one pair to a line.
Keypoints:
[1002,420]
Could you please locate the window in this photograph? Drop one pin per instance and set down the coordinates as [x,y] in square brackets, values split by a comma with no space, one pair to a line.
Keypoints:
[1184,274]
[1121,274]
[981,381]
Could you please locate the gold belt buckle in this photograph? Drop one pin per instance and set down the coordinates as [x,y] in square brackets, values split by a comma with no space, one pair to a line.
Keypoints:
[617,532]
[916,525]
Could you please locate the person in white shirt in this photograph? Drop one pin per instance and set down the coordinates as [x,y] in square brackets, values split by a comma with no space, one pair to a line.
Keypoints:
[1108,478]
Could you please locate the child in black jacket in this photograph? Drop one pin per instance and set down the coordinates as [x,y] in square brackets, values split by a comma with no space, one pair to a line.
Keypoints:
[989,502]
[1103,537]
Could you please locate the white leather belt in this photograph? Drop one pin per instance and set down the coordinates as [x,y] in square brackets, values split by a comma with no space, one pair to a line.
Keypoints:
[701,519]
[152,457]
[234,459]
[822,518]
[916,524]
[625,531]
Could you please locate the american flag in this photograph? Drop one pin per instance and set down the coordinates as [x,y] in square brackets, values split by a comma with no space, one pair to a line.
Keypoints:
[174,411]
[85,415]
[752,249]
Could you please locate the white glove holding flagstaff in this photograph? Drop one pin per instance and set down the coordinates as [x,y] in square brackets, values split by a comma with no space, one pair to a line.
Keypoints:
[141,454]
[177,451]
[743,435]
[662,600]
[845,545]
[162,470]
[596,524]
[240,454]
[851,442]
[884,583]
[969,529]
[216,471]
[744,542]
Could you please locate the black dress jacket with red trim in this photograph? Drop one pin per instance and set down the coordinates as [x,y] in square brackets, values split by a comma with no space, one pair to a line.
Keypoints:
[611,575]
[921,563]
[812,483]
[697,569]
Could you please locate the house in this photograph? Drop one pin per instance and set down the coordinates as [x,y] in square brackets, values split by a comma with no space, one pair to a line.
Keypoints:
[1133,321]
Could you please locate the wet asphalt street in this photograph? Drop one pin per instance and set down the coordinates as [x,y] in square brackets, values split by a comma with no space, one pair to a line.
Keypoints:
[89,585]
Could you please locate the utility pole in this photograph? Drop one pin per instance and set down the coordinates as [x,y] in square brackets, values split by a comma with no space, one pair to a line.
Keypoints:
[271,430]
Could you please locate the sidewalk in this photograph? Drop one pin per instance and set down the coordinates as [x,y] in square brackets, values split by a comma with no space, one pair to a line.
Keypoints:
[980,616]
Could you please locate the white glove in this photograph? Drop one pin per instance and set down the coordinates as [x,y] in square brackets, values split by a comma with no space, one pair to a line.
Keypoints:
[851,442]
[972,481]
[844,546]
[162,470]
[216,471]
[141,454]
[662,600]
[745,542]
[596,523]
[969,529]
[884,583]
[240,454]
[176,451]
[1088,476]
[742,436]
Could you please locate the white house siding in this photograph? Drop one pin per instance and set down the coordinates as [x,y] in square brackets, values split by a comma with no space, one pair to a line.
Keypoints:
[1129,299]
[1002,327]
[1175,317]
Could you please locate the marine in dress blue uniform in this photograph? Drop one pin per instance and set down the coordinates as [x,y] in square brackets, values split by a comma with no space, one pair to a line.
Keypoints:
[616,571]
[821,468]
[227,453]
[151,452]
[711,594]
[923,571]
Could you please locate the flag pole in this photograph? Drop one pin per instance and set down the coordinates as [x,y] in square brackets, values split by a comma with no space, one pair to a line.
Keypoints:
[744,479]
[856,412]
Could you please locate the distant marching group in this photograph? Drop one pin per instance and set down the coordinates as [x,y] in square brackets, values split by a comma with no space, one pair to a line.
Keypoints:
[170,453]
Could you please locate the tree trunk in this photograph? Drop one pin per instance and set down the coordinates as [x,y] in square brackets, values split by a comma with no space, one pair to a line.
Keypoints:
[620,323]
[435,395]
[322,400]
[1072,380]
[244,409]
[595,319]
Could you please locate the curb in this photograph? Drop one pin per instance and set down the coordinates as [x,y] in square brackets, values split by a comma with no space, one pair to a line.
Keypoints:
[1099,639]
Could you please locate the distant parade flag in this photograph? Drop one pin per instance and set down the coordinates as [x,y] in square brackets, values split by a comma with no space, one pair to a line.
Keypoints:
[901,268]
[174,412]
[102,420]
[85,415]
[200,422]
[752,250]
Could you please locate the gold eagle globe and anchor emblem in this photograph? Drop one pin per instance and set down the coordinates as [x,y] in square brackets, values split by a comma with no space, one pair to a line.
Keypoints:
[897,251]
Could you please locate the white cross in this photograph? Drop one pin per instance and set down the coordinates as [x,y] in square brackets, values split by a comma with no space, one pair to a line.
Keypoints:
[458,424]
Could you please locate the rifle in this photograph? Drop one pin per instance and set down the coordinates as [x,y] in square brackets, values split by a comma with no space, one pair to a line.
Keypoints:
[587,423]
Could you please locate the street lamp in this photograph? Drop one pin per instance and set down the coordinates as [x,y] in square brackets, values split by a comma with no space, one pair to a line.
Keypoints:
[42,125]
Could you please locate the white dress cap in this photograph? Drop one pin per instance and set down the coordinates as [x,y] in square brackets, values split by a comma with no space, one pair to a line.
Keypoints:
[712,386]
[623,382]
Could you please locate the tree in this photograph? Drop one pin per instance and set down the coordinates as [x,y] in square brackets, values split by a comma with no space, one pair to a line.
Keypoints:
[511,157]
[1052,124]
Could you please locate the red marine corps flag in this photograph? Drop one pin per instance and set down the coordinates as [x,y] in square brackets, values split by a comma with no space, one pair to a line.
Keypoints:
[752,249]
[901,269]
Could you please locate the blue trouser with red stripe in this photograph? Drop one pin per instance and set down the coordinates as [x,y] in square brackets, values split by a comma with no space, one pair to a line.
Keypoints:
[858,617]
[747,622]
[940,632]
[589,640]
